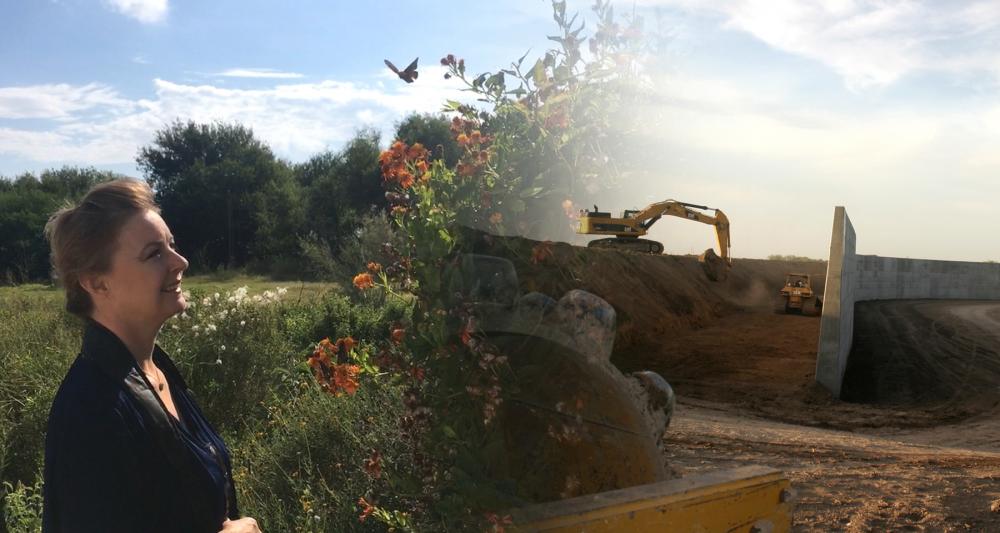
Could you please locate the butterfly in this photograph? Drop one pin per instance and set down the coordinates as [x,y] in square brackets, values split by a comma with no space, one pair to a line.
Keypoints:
[408,74]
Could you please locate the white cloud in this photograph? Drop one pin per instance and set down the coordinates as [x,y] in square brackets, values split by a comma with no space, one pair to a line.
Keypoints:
[58,102]
[870,43]
[145,11]
[258,73]
[93,125]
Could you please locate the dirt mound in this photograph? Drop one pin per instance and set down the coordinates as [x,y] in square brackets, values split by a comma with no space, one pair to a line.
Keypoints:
[729,344]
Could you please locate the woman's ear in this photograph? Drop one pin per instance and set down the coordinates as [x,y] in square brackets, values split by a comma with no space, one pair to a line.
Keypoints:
[94,284]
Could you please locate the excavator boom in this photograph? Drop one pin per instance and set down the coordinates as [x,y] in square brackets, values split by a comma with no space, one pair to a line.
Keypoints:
[635,223]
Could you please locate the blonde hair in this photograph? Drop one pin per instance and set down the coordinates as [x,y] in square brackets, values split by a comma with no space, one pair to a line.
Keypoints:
[84,237]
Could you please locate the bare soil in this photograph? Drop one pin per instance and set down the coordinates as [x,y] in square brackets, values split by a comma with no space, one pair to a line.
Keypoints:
[916,449]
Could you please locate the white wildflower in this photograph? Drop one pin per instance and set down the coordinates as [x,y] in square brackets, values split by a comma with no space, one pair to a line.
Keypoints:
[195,327]
[269,295]
[282,291]
[218,361]
[223,314]
[211,327]
[257,298]
[243,322]
[223,347]
[174,326]
[241,293]
[217,296]
[206,301]
[184,315]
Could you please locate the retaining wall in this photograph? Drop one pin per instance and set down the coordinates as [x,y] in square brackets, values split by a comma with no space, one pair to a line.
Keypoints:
[852,278]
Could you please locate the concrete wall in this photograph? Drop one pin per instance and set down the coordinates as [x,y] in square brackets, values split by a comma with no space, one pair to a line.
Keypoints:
[891,278]
[854,278]
[836,327]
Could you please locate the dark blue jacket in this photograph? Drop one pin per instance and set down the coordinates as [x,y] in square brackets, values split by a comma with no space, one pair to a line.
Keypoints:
[117,461]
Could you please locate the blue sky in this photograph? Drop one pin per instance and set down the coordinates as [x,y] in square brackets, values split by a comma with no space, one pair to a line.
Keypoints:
[774,111]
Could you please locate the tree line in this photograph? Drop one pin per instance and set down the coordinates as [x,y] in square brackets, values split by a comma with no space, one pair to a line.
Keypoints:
[230,202]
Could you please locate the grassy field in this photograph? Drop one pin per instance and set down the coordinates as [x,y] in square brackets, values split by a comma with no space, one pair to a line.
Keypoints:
[298,452]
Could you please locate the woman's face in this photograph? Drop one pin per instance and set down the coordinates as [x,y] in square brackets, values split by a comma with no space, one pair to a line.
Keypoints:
[144,282]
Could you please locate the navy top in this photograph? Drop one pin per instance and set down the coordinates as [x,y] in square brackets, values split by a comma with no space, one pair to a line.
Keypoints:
[117,461]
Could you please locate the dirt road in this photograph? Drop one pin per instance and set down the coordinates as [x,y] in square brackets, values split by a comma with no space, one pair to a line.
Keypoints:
[846,481]
[923,454]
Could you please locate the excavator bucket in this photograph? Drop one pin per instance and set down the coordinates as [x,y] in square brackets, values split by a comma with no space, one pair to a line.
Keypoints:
[715,267]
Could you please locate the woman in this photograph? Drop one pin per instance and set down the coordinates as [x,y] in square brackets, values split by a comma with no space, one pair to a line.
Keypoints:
[127,448]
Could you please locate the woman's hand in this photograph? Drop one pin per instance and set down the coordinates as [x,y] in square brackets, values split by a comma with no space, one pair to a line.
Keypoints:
[243,525]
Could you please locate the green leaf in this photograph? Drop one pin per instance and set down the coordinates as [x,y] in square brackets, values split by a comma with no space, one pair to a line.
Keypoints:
[452,105]
[538,73]
[521,60]
[532,192]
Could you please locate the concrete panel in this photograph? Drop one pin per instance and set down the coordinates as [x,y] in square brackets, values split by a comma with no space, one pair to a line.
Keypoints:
[836,328]
[853,278]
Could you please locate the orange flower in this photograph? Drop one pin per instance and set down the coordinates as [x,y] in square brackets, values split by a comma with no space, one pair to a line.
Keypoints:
[465,169]
[373,464]
[397,335]
[415,152]
[366,509]
[496,218]
[476,137]
[347,343]
[462,139]
[374,267]
[541,251]
[405,179]
[399,210]
[363,281]
[345,378]
[421,166]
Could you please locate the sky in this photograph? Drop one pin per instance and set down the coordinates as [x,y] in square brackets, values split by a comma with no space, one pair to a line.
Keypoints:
[774,111]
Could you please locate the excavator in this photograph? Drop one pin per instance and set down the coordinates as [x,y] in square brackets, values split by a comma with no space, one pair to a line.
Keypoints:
[635,223]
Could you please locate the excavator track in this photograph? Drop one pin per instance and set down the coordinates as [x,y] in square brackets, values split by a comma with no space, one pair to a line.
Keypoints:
[642,246]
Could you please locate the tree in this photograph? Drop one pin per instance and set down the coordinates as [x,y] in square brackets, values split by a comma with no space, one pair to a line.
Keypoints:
[341,187]
[214,184]
[432,131]
[25,206]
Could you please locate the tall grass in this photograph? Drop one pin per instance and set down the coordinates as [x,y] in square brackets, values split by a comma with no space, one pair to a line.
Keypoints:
[299,453]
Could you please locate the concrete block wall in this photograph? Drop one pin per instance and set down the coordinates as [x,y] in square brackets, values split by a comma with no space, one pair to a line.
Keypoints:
[852,278]
[892,278]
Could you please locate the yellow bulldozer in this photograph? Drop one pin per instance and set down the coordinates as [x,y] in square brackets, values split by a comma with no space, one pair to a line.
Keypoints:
[797,292]
[634,223]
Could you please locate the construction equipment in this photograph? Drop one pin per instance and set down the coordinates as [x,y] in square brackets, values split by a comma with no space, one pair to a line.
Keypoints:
[747,499]
[797,291]
[635,223]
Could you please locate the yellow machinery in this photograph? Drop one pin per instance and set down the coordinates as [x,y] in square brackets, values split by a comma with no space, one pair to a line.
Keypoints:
[797,291]
[749,499]
[635,223]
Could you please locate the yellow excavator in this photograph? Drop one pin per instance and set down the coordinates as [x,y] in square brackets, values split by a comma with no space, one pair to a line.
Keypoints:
[635,223]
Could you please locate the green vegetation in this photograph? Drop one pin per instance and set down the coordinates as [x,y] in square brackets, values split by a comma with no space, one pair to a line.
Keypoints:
[779,257]
[394,425]
[299,453]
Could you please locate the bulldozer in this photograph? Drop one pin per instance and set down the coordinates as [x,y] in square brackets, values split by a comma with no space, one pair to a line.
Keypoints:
[634,223]
[797,292]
